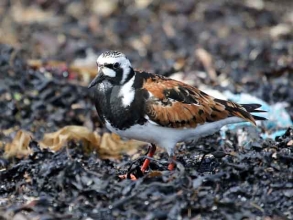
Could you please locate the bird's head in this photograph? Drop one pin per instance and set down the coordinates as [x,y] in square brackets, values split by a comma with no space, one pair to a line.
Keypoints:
[114,67]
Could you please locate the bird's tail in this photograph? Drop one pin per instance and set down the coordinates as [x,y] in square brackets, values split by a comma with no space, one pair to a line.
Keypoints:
[252,108]
[242,110]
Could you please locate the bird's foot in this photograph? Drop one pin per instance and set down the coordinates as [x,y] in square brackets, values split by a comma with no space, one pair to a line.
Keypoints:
[135,173]
[171,166]
[139,172]
[127,176]
[132,173]
[172,163]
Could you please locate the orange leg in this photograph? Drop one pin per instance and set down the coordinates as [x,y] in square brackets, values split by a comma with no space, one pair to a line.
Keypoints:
[171,165]
[151,153]
[145,165]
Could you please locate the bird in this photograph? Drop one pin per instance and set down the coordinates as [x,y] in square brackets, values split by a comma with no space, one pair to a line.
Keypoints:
[159,110]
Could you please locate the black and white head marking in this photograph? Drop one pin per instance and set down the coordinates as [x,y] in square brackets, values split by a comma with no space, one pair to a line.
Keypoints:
[116,69]
[115,66]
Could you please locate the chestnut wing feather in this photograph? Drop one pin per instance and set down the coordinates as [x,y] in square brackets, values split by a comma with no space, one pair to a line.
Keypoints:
[178,105]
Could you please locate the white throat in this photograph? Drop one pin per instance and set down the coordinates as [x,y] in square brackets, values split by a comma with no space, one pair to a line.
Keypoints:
[127,92]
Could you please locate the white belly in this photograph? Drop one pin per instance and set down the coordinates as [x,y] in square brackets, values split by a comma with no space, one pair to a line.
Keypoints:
[168,137]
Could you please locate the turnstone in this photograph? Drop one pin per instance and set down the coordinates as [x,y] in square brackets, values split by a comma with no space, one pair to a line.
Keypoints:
[156,109]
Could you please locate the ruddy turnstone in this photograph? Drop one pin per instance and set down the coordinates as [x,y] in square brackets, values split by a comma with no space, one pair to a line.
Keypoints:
[155,109]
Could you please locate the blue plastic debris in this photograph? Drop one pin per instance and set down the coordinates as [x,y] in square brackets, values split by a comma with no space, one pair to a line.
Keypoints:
[278,118]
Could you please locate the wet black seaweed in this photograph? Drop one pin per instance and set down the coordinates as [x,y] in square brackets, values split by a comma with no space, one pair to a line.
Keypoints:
[71,184]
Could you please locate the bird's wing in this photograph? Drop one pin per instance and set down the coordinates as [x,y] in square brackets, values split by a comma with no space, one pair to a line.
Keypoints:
[175,104]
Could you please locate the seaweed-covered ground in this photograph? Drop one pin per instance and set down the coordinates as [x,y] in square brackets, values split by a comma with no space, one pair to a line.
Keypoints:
[47,57]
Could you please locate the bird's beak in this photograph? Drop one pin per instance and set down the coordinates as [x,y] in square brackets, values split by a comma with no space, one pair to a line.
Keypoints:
[99,78]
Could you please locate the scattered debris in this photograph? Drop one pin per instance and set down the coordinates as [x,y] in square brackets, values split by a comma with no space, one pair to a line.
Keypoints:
[107,145]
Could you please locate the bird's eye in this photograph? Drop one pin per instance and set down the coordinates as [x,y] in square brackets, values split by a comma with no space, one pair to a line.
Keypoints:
[116,65]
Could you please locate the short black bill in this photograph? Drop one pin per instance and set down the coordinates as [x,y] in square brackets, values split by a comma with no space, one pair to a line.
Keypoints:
[99,78]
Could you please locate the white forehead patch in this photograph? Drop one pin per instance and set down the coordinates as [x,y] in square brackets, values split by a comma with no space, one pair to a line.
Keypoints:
[124,62]
[109,72]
